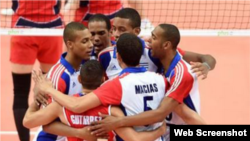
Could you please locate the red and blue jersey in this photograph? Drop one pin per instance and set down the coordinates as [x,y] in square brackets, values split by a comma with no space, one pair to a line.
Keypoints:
[37,13]
[84,119]
[65,79]
[183,83]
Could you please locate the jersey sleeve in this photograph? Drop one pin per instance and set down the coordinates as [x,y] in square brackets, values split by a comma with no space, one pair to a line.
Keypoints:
[166,84]
[181,83]
[61,86]
[104,58]
[182,52]
[110,93]
[60,82]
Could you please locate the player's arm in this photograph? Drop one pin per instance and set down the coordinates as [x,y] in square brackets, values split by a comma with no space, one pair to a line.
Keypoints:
[201,63]
[123,132]
[35,117]
[149,117]
[109,123]
[174,96]
[188,115]
[77,105]
[58,128]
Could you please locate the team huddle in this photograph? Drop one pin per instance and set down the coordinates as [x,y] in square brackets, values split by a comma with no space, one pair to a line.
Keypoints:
[127,89]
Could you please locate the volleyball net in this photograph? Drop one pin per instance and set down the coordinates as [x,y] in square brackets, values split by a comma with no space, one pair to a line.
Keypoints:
[192,17]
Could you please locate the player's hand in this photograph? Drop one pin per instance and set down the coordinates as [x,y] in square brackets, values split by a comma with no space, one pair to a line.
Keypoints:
[200,69]
[84,133]
[104,126]
[41,98]
[42,84]
[163,128]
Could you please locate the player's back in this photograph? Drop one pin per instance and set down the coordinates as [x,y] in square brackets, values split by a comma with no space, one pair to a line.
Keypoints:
[135,90]
[142,92]
[84,119]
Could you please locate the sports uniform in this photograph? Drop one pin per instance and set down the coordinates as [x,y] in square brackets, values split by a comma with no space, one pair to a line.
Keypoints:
[136,90]
[65,79]
[36,14]
[84,119]
[182,81]
[24,50]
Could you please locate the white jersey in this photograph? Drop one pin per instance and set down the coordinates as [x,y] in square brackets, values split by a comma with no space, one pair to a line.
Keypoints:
[135,90]
[112,68]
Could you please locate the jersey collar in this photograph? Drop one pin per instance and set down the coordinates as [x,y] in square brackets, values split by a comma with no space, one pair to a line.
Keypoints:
[67,65]
[133,70]
[143,47]
[176,59]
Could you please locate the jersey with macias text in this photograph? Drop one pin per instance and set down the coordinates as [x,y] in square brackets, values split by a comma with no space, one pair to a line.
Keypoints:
[135,90]
[65,79]
[183,82]
[84,119]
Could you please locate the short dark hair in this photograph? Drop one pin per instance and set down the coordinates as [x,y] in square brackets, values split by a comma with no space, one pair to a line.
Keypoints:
[91,74]
[171,33]
[129,47]
[132,15]
[69,30]
[101,18]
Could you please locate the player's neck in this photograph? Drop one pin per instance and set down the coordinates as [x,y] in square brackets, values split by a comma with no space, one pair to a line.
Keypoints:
[168,58]
[109,43]
[124,66]
[74,61]
[86,91]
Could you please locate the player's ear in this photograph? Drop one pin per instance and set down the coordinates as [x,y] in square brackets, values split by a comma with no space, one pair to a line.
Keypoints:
[80,79]
[69,44]
[137,30]
[103,79]
[166,45]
